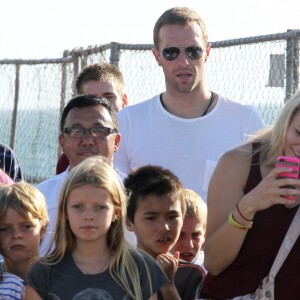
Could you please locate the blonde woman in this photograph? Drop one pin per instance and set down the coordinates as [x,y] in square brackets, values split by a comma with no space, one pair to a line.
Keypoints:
[90,257]
[248,217]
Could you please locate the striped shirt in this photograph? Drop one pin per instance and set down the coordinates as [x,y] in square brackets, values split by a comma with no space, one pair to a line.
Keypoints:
[11,287]
[9,163]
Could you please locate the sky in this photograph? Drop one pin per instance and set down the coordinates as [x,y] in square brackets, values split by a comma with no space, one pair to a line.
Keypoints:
[37,29]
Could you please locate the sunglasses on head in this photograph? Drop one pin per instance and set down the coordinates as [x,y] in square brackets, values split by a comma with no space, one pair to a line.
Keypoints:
[192,52]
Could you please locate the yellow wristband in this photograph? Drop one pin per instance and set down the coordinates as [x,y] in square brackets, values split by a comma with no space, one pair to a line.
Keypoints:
[235,224]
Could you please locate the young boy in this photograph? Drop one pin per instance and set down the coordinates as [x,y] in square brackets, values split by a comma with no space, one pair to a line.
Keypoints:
[155,212]
[192,234]
[23,222]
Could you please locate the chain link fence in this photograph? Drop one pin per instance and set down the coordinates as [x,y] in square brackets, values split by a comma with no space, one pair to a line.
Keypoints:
[262,71]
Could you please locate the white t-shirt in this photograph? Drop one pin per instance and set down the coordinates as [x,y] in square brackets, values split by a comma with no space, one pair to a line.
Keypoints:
[190,148]
[50,188]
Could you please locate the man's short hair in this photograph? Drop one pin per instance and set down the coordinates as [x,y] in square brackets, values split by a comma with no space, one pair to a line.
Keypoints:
[180,16]
[100,72]
[85,101]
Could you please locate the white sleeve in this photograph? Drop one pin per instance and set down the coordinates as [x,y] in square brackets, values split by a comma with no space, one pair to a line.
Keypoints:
[120,160]
[255,123]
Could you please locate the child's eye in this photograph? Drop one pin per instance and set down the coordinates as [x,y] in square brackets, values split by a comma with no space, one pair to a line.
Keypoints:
[150,218]
[196,235]
[79,206]
[100,207]
[3,229]
[27,226]
[173,216]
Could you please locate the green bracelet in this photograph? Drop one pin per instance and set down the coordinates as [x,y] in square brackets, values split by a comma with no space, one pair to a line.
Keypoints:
[235,224]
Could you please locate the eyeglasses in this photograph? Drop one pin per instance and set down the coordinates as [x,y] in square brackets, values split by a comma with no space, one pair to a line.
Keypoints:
[192,52]
[78,132]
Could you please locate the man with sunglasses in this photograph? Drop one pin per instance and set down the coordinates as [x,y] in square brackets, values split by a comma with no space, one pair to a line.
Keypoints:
[88,126]
[187,127]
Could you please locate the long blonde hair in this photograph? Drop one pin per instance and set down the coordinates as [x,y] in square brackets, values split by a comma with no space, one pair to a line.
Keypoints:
[272,139]
[98,171]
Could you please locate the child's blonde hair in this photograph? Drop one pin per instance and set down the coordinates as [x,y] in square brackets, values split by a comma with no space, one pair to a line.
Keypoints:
[97,171]
[195,206]
[26,200]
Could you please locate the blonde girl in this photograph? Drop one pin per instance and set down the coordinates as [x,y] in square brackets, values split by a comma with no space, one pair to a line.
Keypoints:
[90,257]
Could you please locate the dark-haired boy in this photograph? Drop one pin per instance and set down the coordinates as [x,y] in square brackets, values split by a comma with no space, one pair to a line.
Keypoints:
[155,214]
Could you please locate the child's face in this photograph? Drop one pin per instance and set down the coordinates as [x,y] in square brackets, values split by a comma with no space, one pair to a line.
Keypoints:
[157,223]
[20,238]
[90,212]
[190,239]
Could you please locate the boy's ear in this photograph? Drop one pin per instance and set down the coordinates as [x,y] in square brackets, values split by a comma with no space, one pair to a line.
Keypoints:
[129,225]
[42,234]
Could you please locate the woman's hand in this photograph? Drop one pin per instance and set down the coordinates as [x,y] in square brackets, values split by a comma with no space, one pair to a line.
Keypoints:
[269,192]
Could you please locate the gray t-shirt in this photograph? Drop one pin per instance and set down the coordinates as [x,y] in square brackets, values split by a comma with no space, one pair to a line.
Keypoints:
[65,281]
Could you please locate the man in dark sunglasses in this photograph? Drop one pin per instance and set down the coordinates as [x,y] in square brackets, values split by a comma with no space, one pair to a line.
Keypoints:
[187,127]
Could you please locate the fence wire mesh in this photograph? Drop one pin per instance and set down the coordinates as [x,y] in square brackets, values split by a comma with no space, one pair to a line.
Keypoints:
[262,71]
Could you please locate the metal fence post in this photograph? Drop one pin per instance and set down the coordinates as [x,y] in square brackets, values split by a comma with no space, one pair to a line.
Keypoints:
[62,93]
[15,111]
[296,63]
[75,58]
[292,63]
[115,53]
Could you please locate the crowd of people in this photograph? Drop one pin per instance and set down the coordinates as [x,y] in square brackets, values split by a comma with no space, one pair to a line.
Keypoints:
[176,197]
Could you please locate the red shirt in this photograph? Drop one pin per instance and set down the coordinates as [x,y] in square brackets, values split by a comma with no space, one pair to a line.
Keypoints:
[62,164]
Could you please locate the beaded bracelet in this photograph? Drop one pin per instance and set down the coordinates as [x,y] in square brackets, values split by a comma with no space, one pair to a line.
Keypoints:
[235,224]
[238,209]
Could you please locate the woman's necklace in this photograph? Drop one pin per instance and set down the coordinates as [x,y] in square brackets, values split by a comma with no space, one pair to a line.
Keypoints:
[93,264]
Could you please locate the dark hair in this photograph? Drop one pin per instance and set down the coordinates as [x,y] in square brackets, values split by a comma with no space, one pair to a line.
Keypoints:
[151,180]
[85,101]
[180,16]
[100,72]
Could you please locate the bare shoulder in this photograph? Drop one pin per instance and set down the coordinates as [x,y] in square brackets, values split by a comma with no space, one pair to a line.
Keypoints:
[227,184]
[238,158]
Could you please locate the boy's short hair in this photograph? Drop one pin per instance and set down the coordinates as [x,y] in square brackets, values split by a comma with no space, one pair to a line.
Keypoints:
[195,206]
[26,200]
[100,72]
[151,180]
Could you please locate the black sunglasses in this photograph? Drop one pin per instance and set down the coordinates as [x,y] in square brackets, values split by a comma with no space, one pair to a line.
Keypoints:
[192,52]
